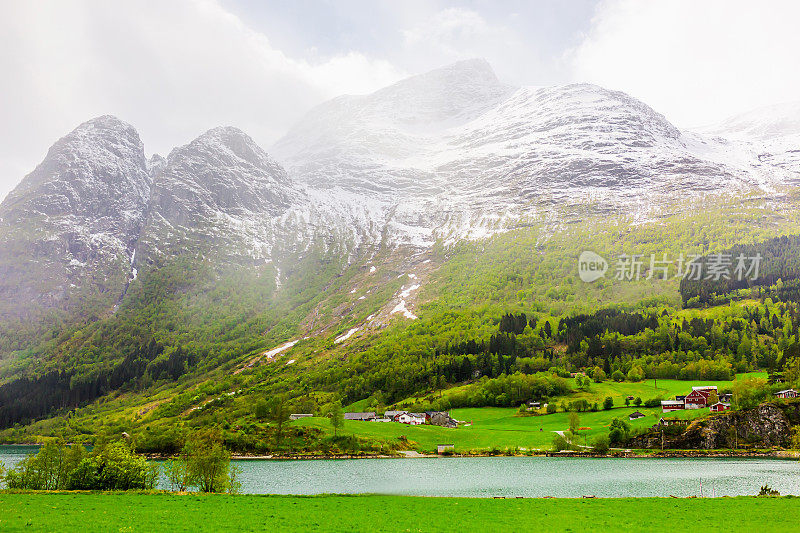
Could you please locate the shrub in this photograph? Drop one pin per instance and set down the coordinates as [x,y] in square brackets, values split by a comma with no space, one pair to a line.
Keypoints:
[652,402]
[574,421]
[618,376]
[560,443]
[616,436]
[113,467]
[177,472]
[749,392]
[619,431]
[598,375]
[261,409]
[47,470]
[766,490]
[635,374]
[208,462]
[601,444]
[608,403]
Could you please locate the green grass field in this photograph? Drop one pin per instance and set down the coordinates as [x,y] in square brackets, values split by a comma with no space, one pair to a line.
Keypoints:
[66,512]
[487,428]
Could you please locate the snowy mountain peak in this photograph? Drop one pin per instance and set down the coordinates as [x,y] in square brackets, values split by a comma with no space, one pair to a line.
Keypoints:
[75,218]
[105,123]
[227,146]
[390,120]
[771,134]
[445,94]
[101,155]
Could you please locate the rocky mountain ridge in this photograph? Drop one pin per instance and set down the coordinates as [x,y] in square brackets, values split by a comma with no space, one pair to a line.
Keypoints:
[447,155]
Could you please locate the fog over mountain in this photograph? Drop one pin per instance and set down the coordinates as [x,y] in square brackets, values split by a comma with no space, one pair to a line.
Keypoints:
[447,155]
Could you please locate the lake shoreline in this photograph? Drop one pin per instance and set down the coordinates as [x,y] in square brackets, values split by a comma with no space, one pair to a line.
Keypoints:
[632,454]
[666,454]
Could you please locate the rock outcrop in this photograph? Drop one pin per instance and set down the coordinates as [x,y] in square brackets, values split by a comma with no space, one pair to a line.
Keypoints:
[768,425]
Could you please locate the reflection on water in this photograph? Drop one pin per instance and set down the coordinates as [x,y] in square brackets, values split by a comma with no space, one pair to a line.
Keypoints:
[511,476]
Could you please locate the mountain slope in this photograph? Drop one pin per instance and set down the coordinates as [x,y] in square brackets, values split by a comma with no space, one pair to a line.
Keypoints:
[449,192]
[219,194]
[769,135]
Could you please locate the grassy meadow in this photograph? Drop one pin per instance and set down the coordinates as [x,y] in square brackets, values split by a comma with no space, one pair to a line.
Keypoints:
[192,512]
[488,428]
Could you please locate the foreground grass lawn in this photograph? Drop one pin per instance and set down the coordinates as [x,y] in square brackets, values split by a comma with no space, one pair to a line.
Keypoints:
[170,512]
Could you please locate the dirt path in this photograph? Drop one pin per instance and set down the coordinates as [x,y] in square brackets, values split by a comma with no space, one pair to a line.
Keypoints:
[563,436]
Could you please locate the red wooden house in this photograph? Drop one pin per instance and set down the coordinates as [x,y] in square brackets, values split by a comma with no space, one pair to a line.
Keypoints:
[697,399]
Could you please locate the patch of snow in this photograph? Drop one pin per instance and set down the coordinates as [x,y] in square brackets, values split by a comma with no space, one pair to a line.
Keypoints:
[371,269]
[289,362]
[401,308]
[404,293]
[282,348]
[346,336]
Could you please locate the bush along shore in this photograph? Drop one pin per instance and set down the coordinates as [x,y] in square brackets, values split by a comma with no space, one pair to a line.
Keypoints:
[203,465]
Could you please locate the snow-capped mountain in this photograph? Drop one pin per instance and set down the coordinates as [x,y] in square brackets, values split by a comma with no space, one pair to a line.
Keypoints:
[450,154]
[73,222]
[455,154]
[221,193]
[769,135]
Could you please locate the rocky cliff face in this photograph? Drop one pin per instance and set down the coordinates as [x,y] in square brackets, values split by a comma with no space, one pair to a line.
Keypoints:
[68,231]
[766,426]
[221,194]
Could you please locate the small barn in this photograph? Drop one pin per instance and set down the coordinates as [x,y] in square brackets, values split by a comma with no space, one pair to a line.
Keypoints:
[719,407]
[440,418]
[442,448]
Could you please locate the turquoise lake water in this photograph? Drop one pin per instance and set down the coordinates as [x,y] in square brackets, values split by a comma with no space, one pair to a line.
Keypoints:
[510,476]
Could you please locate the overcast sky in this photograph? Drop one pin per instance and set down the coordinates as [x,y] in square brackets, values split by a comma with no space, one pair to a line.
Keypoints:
[175,68]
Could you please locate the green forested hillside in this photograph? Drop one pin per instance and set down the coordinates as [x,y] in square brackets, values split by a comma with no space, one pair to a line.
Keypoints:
[499,321]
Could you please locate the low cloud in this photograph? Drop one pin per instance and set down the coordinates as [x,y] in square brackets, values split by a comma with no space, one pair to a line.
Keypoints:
[172,69]
[696,62]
